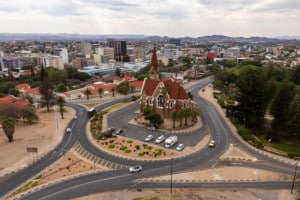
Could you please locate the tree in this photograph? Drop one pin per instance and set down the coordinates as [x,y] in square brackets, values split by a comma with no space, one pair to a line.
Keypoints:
[187,62]
[155,119]
[123,87]
[46,90]
[87,92]
[191,95]
[61,103]
[113,91]
[29,114]
[255,93]
[164,92]
[296,75]
[180,116]
[294,117]
[174,117]
[195,112]
[100,92]
[8,126]
[186,113]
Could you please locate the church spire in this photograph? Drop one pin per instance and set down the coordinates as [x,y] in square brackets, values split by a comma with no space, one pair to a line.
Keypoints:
[154,66]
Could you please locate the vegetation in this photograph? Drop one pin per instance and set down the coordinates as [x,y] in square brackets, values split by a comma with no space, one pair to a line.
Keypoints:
[8,126]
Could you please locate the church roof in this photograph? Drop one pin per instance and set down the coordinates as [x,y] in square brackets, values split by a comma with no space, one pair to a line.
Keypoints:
[175,91]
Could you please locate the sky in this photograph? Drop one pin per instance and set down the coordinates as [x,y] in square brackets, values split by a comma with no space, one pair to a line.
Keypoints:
[173,18]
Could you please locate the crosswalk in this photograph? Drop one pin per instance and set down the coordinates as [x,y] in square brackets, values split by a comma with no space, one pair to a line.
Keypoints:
[95,159]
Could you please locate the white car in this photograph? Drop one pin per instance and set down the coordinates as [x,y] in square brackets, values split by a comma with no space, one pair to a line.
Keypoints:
[136,168]
[149,138]
[212,143]
[180,147]
[68,130]
[160,139]
[75,117]
[151,128]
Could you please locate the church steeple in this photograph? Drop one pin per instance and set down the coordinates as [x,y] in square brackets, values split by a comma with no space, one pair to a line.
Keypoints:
[154,66]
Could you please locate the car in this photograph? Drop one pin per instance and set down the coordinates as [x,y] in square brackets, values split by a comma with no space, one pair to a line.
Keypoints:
[180,147]
[112,129]
[136,168]
[212,143]
[151,128]
[149,138]
[68,130]
[75,117]
[119,131]
[160,139]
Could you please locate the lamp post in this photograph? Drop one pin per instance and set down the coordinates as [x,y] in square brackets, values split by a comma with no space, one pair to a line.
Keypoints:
[295,174]
[171,186]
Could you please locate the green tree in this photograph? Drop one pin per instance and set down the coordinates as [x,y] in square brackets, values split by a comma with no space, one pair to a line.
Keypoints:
[123,87]
[195,112]
[100,92]
[180,117]
[174,117]
[46,90]
[113,90]
[8,126]
[60,87]
[255,93]
[186,113]
[154,118]
[29,114]
[280,105]
[61,103]
[296,75]
[294,117]
[187,62]
[87,92]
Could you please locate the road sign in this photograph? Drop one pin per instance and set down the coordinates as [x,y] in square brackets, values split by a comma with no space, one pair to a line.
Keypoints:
[32,149]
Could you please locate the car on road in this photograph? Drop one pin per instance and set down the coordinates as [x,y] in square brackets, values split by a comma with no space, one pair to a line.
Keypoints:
[112,129]
[212,143]
[149,138]
[119,131]
[75,117]
[180,147]
[68,130]
[160,139]
[151,128]
[136,168]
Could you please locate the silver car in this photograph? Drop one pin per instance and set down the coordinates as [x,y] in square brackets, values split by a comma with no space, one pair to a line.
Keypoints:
[149,138]
[160,139]
[180,147]
[137,168]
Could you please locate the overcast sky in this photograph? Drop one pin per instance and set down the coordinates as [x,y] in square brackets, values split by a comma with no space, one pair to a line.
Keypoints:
[174,18]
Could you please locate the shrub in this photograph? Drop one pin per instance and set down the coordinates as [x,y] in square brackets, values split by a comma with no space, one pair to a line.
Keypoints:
[149,147]
[122,148]
[127,151]
[129,141]
[111,146]
[137,147]
[38,176]
[145,145]
[141,154]
[34,183]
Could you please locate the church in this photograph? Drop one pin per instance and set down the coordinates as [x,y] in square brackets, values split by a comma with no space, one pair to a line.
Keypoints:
[163,96]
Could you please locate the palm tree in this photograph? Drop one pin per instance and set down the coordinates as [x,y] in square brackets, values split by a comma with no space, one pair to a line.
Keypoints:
[180,116]
[87,92]
[100,92]
[195,112]
[186,112]
[61,103]
[8,126]
[174,117]
[113,91]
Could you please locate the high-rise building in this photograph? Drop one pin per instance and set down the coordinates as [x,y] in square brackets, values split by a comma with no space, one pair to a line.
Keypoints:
[63,52]
[120,48]
[53,61]
[108,53]
[85,48]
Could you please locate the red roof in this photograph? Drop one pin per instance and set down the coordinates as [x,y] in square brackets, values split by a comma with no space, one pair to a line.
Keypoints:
[105,87]
[14,100]
[35,91]
[125,78]
[136,84]
[175,91]
[22,86]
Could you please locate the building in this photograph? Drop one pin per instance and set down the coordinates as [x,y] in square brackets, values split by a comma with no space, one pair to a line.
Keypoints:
[120,50]
[162,96]
[235,51]
[53,61]
[107,52]
[63,52]
[84,48]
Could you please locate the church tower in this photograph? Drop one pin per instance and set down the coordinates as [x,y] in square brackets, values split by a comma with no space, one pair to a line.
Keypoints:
[154,66]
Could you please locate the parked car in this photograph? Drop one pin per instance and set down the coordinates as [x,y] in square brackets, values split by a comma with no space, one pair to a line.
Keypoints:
[75,117]
[212,143]
[151,128]
[112,129]
[136,168]
[180,147]
[149,138]
[160,139]
[119,131]
[68,130]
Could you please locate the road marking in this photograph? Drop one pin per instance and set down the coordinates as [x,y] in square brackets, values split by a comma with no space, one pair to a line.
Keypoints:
[215,164]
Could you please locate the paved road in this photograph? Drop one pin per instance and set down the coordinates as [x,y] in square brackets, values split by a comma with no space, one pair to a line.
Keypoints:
[121,179]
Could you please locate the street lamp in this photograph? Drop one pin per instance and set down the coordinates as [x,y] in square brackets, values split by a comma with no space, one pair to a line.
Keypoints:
[244,117]
[171,186]
[295,174]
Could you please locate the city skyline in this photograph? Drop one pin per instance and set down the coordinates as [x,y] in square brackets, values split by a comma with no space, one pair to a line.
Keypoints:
[269,18]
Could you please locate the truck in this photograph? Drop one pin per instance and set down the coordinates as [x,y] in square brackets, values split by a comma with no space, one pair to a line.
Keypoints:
[170,141]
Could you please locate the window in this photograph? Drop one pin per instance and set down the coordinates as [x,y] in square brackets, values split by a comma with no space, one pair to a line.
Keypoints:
[171,104]
[184,105]
[150,101]
[160,101]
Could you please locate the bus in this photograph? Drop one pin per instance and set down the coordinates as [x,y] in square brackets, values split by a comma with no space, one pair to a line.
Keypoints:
[91,112]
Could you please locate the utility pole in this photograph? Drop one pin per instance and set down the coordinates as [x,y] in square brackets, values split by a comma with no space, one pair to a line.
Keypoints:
[171,186]
[295,174]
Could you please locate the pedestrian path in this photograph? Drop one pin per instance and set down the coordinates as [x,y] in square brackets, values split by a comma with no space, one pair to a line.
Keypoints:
[95,159]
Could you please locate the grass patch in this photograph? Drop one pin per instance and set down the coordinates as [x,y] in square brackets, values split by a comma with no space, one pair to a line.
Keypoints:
[111,146]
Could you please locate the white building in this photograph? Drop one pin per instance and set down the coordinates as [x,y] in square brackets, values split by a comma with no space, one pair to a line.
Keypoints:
[53,61]
[236,51]
[63,52]
[108,53]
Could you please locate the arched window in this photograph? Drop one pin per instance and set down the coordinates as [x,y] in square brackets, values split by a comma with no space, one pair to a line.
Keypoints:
[150,101]
[171,104]
[184,105]
[160,101]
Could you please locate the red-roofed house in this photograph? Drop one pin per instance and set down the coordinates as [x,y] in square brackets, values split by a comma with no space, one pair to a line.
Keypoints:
[34,93]
[162,96]
[19,102]
[22,87]
[136,85]
[106,88]
[117,80]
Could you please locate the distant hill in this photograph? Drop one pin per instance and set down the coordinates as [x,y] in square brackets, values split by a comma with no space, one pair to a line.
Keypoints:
[64,36]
